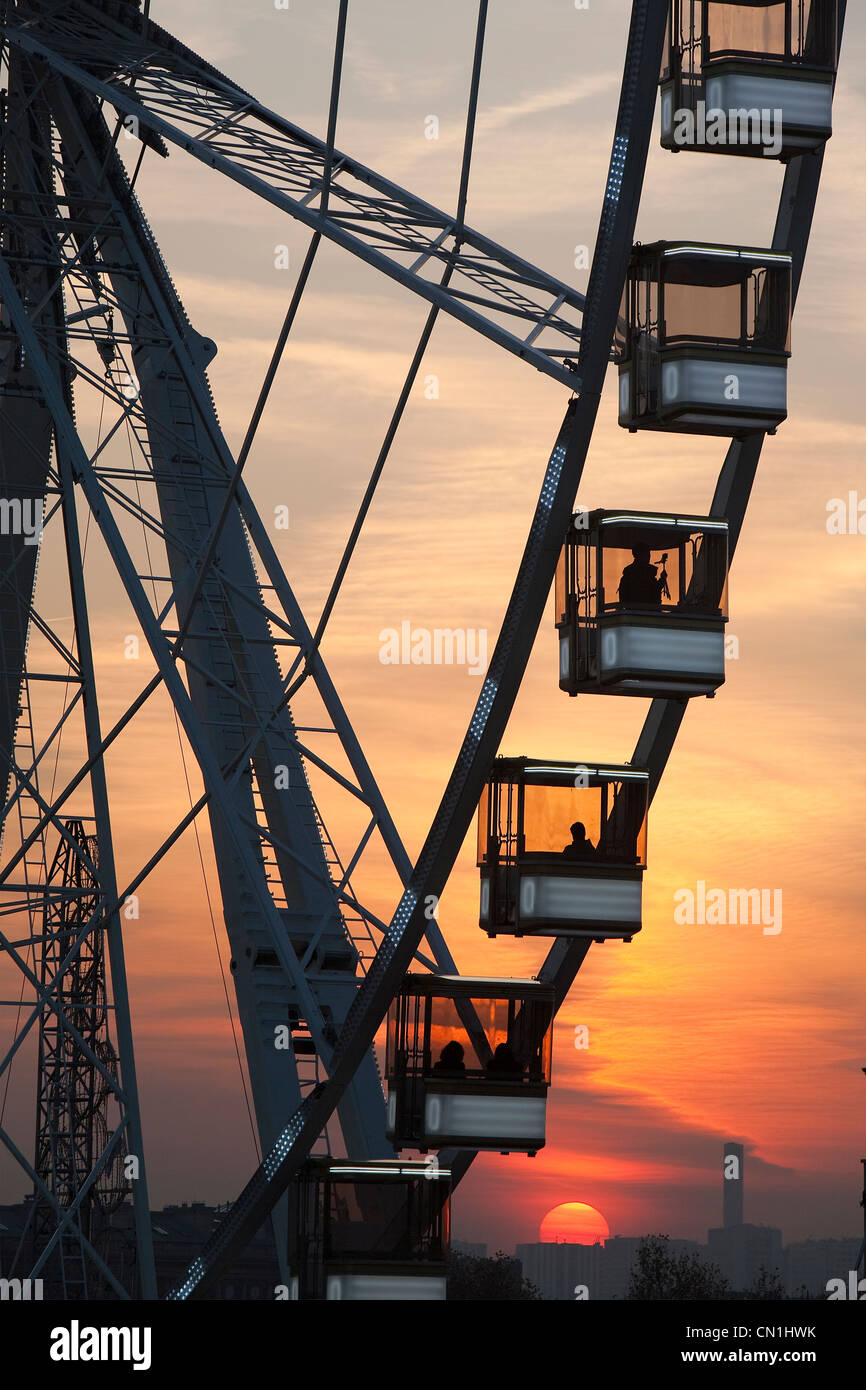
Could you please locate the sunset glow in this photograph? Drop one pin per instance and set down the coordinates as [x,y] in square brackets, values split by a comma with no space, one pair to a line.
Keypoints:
[575,1222]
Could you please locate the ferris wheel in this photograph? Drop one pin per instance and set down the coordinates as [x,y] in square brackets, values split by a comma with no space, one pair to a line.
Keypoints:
[108,425]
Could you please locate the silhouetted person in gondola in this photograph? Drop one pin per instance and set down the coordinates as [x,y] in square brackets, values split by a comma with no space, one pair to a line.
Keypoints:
[580,847]
[640,581]
[451,1060]
[504,1065]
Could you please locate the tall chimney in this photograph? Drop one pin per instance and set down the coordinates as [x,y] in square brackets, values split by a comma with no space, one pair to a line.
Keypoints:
[732,1185]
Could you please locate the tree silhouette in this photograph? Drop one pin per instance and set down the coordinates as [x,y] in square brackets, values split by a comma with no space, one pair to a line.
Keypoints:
[491,1279]
[660,1275]
[767,1286]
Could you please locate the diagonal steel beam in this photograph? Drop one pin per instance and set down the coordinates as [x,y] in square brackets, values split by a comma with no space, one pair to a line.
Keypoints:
[158,286]
[62,1215]
[184,100]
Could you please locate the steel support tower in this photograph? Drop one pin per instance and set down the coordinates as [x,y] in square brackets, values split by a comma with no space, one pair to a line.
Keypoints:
[75,1123]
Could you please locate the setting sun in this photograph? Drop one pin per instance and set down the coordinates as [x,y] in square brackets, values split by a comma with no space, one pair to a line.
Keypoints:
[575,1222]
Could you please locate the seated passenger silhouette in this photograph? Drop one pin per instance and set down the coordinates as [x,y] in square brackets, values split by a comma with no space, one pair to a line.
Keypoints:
[580,847]
[640,582]
[451,1060]
[504,1064]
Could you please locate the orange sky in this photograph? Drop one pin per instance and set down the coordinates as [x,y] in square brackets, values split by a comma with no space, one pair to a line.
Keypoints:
[698,1033]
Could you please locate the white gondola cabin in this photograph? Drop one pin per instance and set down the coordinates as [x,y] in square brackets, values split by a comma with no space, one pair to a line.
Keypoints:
[562,849]
[703,339]
[749,77]
[468,1063]
[374,1230]
[641,604]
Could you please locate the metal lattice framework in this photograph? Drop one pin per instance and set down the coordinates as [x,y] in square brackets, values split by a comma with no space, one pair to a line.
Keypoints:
[74,1113]
[169,91]
[85,297]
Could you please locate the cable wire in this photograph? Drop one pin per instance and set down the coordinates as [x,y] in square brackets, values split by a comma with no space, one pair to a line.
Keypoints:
[397,416]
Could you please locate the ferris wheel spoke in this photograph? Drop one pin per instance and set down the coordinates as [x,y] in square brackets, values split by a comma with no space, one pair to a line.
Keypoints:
[169,90]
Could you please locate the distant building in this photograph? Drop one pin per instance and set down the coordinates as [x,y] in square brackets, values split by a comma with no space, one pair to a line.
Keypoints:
[741,1252]
[557,1268]
[810,1264]
[619,1253]
[178,1235]
[477,1250]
